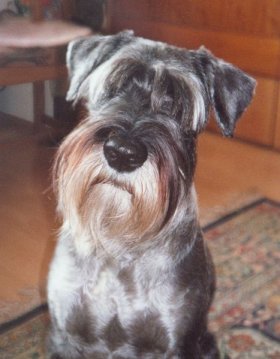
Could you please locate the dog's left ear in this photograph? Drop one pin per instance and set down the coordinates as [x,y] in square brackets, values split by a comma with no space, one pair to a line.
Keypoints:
[230,90]
[86,54]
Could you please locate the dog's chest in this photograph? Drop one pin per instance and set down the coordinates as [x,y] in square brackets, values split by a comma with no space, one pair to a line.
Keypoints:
[105,296]
[127,310]
[125,293]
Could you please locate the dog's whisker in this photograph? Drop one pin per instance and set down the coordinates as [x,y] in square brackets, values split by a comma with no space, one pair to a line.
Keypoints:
[182,173]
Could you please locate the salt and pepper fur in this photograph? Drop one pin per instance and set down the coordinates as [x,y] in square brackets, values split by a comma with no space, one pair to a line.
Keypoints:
[131,276]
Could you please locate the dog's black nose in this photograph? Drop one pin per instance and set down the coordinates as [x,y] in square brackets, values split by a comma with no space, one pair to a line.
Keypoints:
[124,155]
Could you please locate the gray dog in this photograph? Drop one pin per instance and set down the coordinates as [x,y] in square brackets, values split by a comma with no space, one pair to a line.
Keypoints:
[132,276]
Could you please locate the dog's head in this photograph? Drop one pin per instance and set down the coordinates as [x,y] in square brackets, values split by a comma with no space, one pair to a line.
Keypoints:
[127,169]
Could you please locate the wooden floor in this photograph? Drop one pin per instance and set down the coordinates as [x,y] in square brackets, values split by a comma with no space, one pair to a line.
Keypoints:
[27,221]
[227,170]
[229,167]
[231,172]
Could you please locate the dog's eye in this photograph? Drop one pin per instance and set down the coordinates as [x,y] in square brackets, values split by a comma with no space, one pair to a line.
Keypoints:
[102,134]
[112,133]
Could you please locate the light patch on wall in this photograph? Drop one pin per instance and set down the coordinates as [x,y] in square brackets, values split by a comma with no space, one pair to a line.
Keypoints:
[17,101]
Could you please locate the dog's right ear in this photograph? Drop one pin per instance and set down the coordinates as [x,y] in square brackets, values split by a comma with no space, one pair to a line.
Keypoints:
[86,54]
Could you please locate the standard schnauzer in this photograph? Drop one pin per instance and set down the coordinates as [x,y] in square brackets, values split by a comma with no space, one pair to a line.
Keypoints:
[132,276]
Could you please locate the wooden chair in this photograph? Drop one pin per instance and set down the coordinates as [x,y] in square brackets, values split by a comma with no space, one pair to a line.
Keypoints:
[21,34]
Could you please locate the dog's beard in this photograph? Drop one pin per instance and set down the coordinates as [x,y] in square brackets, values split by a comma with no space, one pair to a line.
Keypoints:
[109,211]
[123,208]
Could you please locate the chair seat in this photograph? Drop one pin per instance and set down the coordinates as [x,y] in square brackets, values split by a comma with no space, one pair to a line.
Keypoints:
[24,33]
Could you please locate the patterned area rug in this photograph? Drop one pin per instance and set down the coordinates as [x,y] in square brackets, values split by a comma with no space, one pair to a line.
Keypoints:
[246,311]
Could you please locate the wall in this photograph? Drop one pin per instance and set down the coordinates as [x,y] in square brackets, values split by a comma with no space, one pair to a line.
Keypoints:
[18,101]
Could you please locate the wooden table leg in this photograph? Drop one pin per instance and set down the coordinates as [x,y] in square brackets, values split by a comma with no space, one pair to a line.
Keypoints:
[38,104]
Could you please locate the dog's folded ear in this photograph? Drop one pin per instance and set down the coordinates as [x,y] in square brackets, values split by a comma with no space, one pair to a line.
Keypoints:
[84,55]
[231,91]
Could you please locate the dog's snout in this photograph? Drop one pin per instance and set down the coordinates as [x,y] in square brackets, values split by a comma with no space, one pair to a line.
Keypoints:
[124,155]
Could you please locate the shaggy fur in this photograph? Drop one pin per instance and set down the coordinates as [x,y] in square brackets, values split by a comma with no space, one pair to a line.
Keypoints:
[132,276]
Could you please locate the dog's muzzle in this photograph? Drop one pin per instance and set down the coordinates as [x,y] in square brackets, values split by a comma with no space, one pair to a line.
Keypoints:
[123,154]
